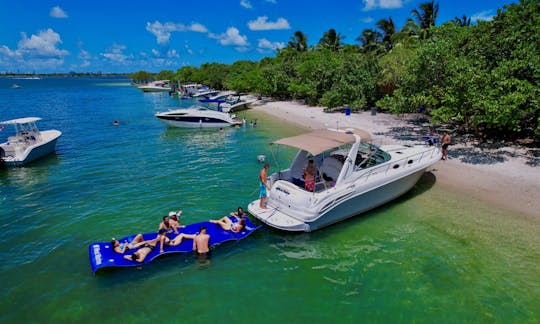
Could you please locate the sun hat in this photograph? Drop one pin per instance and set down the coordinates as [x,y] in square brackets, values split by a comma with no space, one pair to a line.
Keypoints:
[171,213]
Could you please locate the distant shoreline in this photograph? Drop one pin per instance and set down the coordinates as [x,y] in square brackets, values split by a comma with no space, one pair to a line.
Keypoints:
[503,180]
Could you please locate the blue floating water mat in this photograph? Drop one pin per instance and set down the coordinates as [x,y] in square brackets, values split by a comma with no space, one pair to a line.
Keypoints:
[102,254]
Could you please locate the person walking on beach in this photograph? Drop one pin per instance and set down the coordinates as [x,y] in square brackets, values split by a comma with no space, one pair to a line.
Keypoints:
[445,140]
[263,185]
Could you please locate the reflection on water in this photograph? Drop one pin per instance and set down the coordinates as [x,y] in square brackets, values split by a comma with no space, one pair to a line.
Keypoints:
[30,175]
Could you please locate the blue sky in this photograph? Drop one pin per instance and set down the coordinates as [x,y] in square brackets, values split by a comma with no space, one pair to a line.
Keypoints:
[44,36]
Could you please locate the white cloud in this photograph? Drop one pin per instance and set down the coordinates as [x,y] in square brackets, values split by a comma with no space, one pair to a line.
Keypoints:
[58,12]
[35,52]
[163,31]
[366,20]
[231,37]
[188,48]
[262,24]
[84,55]
[42,45]
[116,54]
[265,45]
[485,15]
[382,4]
[246,4]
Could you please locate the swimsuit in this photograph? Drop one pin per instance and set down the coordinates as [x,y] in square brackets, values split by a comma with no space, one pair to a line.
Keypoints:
[309,184]
[235,227]
[151,247]
[262,190]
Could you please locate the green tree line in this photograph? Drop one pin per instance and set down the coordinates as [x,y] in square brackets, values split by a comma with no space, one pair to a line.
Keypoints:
[483,78]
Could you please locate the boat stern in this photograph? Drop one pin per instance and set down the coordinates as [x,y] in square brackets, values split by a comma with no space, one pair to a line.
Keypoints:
[275,218]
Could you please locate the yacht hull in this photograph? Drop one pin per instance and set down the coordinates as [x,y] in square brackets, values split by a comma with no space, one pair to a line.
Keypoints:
[353,206]
[31,153]
[155,89]
[195,122]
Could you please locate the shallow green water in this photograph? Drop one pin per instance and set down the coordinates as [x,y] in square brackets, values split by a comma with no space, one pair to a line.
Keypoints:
[431,255]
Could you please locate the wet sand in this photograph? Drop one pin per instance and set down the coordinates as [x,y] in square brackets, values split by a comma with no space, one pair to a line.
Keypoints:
[505,176]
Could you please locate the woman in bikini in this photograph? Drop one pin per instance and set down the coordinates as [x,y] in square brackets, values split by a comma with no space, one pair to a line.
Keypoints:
[122,247]
[239,213]
[148,246]
[227,224]
[173,221]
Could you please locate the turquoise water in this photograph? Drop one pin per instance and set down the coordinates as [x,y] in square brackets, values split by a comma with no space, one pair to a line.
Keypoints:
[432,255]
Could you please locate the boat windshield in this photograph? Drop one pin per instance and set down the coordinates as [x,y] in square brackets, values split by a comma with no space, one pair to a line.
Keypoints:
[369,155]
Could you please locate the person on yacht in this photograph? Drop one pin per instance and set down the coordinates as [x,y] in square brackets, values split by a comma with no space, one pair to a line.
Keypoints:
[309,176]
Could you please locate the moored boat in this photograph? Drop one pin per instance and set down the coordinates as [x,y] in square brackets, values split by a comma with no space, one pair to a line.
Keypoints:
[197,117]
[157,86]
[28,143]
[352,176]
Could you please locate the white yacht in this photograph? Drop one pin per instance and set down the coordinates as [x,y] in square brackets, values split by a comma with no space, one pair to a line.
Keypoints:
[352,176]
[28,143]
[229,104]
[157,86]
[197,117]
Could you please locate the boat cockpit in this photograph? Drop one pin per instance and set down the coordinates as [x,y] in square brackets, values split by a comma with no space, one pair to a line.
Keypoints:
[329,165]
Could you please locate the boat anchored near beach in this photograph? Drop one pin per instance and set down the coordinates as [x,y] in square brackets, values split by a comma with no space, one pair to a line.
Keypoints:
[197,117]
[157,86]
[352,176]
[28,143]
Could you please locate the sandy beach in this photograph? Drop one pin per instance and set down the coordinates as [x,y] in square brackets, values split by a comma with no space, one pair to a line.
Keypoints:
[505,176]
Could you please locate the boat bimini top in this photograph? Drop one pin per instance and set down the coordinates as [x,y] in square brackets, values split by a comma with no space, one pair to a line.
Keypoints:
[323,140]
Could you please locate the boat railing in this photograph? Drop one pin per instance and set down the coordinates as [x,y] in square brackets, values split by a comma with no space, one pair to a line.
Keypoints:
[400,163]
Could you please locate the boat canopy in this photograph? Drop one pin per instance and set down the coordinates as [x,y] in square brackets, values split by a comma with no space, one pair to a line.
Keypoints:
[25,120]
[323,140]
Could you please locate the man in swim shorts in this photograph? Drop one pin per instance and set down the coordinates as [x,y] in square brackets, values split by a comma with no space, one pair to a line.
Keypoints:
[200,240]
[263,185]
[446,140]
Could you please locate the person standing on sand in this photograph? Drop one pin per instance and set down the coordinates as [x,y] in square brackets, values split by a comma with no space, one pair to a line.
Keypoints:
[445,140]
[263,185]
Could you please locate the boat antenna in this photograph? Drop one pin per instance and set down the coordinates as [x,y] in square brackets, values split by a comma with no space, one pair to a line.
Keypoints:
[274,158]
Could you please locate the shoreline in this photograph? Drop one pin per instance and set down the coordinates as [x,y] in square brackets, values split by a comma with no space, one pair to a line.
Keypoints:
[498,175]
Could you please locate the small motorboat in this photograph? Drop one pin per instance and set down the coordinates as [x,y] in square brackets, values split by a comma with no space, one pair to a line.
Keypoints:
[28,143]
[157,86]
[352,176]
[197,117]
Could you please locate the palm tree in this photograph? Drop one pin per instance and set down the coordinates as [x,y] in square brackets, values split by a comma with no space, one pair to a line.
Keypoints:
[389,29]
[426,16]
[298,42]
[464,21]
[331,40]
[370,40]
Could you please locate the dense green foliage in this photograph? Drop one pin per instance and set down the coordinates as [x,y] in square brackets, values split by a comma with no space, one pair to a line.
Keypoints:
[483,78]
